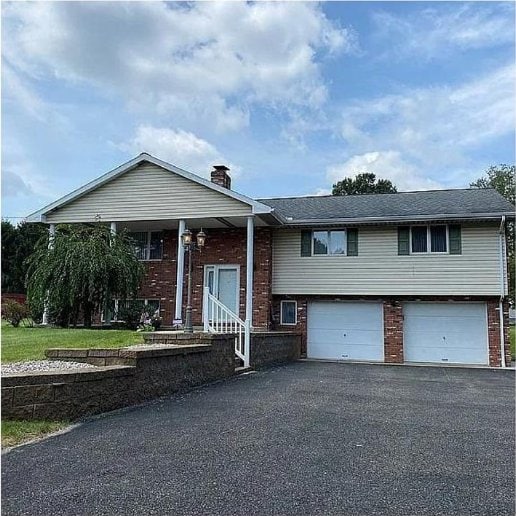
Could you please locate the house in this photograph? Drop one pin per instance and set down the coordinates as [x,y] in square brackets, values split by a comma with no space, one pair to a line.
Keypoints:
[407,277]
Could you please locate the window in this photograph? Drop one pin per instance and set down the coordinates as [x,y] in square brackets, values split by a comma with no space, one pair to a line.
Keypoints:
[329,242]
[148,245]
[433,239]
[419,239]
[149,307]
[438,239]
[288,314]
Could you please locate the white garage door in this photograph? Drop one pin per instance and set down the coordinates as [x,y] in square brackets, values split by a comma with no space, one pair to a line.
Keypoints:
[454,333]
[345,331]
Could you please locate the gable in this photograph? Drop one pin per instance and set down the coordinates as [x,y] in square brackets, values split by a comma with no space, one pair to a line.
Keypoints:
[149,192]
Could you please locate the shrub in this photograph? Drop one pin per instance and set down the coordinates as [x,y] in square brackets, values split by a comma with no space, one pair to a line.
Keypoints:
[130,313]
[14,312]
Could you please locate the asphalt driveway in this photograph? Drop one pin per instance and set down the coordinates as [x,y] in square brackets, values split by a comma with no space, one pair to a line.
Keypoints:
[307,438]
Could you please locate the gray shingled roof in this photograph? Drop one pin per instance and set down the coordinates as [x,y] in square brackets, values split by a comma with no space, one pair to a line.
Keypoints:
[465,203]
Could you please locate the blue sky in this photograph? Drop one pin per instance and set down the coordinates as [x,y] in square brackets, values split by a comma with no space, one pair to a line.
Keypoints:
[291,96]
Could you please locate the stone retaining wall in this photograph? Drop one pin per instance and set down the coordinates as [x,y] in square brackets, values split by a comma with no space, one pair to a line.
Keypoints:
[132,376]
[268,348]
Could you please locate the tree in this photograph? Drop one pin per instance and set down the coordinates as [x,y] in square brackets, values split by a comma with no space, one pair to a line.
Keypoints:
[82,269]
[18,243]
[365,183]
[502,179]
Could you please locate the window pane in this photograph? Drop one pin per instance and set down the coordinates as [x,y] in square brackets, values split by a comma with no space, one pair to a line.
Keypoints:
[152,306]
[320,242]
[288,312]
[438,239]
[337,242]
[419,239]
[140,244]
[156,245]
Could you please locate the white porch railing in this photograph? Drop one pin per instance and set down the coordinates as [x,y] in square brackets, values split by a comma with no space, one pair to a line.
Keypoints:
[218,318]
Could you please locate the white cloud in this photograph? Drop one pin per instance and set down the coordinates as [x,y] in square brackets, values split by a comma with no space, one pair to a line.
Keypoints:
[13,185]
[20,177]
[435,32]
[180,148]
[434,128]
[386,165]
[205,61]
[321,192]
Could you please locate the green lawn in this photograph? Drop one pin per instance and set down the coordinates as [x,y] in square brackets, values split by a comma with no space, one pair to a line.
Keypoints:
[513,342]
[19,344]
[17,432]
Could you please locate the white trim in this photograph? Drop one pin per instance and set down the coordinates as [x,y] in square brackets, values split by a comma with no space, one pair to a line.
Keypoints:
[39,216]
[329,231]
[216,267]
[353,221]
[281,312]
[180,272]
[51,236]
[249,286]
[429,239]
[148,245]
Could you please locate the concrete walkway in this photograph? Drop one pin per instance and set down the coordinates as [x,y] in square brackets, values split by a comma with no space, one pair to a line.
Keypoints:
[308,438]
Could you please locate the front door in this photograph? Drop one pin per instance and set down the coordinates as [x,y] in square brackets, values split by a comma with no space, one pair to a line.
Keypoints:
[223,282]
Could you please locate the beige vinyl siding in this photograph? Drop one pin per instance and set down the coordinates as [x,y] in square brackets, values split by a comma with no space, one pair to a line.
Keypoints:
[378,270]
[149,192]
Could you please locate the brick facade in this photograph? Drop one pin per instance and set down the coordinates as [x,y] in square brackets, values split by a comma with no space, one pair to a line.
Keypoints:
[223,246]
[393,322]
[493,330]
[228,246]
[393,331]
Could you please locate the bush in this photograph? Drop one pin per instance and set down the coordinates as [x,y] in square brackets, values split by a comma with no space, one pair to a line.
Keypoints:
[130,313]
[14,312]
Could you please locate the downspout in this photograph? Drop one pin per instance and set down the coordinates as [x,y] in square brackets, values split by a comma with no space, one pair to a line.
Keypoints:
[502,290]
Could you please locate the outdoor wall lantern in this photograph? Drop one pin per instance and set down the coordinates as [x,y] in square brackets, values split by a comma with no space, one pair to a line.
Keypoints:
[190,246]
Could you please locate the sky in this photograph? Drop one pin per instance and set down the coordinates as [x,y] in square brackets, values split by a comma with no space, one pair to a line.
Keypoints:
[291,96]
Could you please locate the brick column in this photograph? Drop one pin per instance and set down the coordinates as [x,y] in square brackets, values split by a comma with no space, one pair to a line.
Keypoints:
[393,332]
[506,327]
[493,332]
[262,306]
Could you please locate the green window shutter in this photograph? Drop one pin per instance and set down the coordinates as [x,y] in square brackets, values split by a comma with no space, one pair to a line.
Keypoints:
[352,246]
[306,243]
[403,240]
[455,239]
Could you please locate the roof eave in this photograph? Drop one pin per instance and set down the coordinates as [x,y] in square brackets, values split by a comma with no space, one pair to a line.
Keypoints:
[258,208]
[404,218]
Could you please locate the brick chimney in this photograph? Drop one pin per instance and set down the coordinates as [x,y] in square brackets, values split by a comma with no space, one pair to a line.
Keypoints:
[220,176]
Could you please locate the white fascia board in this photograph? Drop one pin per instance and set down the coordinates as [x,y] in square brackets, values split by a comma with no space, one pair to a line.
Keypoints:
[39,216]
[404,218]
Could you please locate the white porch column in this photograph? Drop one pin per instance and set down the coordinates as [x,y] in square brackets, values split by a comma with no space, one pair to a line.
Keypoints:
[180,273]
[51,233]
[107,306]
[249,271]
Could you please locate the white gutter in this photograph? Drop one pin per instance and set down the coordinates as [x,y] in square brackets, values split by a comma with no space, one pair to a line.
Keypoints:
[393,219]
[502,289]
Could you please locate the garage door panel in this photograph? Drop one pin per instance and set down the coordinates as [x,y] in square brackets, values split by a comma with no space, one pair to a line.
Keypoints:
[445,333]
[338,351]
[345,331]
[333,315]
[346,336]
[444,325]
[435,340]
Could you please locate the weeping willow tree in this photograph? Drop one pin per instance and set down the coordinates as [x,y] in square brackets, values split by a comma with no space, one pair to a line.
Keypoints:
[82,269]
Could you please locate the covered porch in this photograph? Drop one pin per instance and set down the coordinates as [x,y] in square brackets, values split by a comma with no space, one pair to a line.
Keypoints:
[157,202]
[230,289]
